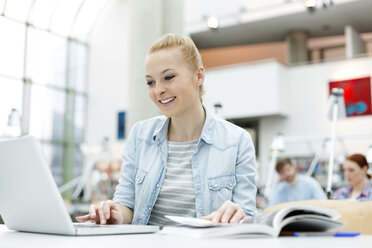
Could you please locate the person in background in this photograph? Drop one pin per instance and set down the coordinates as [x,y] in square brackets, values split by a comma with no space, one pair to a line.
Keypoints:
[355,171]
[186,162]
[293,187]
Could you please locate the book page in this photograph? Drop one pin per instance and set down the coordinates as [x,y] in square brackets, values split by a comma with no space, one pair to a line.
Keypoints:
[265,219]
[190,221]
[221,231]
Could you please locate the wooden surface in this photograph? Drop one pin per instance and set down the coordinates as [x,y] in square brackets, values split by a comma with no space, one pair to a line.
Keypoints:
[356,215]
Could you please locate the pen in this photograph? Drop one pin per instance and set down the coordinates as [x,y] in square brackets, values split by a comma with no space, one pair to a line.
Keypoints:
[325,234]
[346,234]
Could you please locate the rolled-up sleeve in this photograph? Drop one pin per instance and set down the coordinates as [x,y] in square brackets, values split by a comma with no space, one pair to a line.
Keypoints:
[125,191]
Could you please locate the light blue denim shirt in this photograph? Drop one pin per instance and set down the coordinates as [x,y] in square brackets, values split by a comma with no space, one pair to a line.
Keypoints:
[307,188]
[223,166]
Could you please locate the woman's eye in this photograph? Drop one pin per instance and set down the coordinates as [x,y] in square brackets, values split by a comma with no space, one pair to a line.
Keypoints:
[149,83]
[169,77]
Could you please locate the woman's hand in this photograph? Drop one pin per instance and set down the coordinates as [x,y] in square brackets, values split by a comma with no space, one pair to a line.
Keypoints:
[106,213]
[229,212]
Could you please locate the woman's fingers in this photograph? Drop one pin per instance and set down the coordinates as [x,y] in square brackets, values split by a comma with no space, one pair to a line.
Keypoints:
[218,214]
[229,212]
[106,212]
[208,217]
[90,216]
[92,210]
[83,218]
[106,207]
[238,216]
[101,215]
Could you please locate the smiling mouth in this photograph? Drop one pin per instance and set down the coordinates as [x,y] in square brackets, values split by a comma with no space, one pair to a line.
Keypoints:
[167,100]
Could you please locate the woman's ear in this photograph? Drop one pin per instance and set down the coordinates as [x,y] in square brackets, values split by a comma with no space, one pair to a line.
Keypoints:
[365,169]
[200,74]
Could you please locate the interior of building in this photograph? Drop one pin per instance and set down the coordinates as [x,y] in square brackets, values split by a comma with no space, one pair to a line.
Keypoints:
[72,75]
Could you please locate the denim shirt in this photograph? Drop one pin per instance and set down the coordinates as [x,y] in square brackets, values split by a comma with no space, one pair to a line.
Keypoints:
[223,167]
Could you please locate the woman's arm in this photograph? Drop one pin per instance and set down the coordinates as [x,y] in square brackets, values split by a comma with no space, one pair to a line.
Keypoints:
[244,193]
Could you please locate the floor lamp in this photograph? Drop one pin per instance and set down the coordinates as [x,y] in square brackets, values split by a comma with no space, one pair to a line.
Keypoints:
[369,159]
[277,146]
[335,110]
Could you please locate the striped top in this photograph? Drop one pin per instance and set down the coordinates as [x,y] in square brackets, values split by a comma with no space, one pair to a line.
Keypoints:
[176,196]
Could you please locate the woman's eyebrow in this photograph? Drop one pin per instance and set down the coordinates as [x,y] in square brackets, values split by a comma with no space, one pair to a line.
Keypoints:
[166,70]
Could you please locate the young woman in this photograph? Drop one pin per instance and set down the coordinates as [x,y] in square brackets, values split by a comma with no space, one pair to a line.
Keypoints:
[355,172]
[185,162]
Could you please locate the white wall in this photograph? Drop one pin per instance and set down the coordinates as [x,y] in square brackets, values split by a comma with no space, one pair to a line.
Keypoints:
[296,97]
[307,96]
[108,72]
[247,90]
[118,45]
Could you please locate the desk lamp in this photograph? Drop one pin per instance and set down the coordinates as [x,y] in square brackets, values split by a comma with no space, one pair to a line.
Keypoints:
[335,109]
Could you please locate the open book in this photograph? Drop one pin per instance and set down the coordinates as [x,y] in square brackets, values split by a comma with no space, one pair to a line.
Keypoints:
[304,218]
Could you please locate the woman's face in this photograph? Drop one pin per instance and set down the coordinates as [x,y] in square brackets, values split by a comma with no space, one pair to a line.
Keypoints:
[353,173]
[172,85]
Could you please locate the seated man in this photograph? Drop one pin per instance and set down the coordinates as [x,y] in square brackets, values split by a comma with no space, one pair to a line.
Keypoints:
[293,187]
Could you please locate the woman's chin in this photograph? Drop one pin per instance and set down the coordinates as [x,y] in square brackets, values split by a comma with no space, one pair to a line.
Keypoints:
[168,114]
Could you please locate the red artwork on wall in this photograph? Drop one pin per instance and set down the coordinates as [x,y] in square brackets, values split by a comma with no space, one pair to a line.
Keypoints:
[357,95]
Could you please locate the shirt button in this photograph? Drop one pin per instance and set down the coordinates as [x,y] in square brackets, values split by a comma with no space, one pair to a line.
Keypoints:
[201,211]
[197,188]
[230,184]
[138,180]
[157,185]
[149,208]
[215,185]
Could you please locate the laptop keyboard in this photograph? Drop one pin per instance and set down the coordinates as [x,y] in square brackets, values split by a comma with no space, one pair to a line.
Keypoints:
[89,225]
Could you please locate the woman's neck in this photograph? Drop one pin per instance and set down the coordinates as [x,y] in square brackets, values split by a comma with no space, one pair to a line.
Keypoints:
[188,126]
[358,188]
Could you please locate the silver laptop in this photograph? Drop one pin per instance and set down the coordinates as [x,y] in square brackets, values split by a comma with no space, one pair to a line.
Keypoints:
[29,197]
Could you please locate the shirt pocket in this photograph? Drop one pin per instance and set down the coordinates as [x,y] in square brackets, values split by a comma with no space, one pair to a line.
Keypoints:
[221,188]
[140,176]
[139,188]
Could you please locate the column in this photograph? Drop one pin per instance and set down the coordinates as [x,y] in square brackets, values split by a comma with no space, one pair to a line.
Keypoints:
[297,47]
[148,21]
[354,45]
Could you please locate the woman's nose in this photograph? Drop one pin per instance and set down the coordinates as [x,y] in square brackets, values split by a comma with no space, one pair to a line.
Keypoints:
[160,89]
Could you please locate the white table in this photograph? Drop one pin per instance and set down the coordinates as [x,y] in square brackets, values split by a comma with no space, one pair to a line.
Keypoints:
[19,239]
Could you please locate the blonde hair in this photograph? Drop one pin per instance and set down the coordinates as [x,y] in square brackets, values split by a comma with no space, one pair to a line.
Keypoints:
[189,51]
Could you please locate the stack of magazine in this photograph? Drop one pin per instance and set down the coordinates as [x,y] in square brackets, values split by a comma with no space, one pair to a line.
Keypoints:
[300,218]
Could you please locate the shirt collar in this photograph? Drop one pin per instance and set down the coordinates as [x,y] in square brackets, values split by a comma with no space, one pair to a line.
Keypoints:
[365,190]
[161,132]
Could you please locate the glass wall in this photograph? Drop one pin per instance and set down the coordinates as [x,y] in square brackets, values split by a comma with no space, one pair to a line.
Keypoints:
[43,71]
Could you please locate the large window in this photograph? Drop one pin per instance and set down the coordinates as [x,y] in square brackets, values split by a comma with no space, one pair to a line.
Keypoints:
[43,65]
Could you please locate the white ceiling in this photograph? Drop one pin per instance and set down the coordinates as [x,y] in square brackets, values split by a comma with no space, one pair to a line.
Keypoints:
[322,22]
